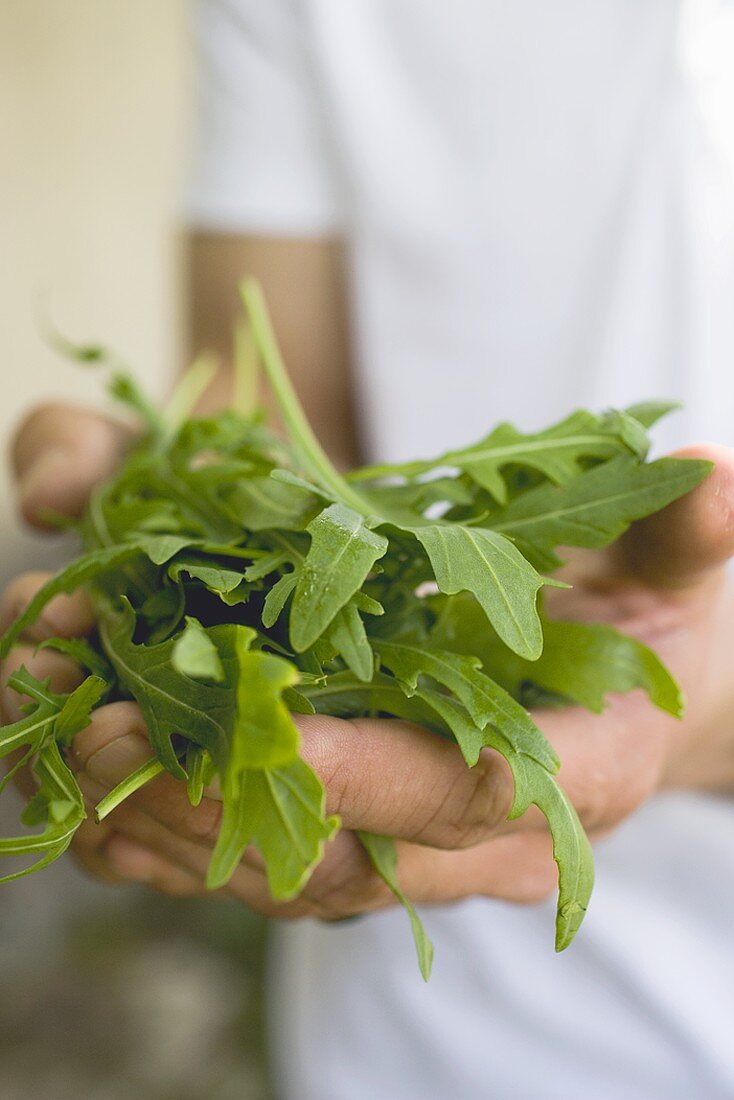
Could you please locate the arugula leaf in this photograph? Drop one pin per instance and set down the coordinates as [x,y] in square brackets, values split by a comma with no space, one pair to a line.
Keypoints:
[200,772]
[148,771]
[381,850]
[36,726]
[76,711]
[58,805]
[349,638]
[217,578]
[571,848]
[238,577]
[262,503]
[558,452]
[489,566]
[281,812]
[82,653]
[241,721]
[485,701]
[648,413]
[599,505]
[277,597]
[343,551]
[194,653]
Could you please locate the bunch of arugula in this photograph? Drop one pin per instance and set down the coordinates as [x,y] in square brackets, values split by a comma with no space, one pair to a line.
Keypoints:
[239,578]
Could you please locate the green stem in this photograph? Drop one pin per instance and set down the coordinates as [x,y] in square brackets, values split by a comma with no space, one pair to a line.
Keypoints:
[142,775]
[307,446]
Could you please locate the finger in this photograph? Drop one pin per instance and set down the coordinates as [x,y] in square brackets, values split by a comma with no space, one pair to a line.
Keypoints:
[248,884]
[63,674]
[60,453]
[516,868]
[160,817]
[398,779]
[91,836]
[386,777]
[132,862]
[63,617]
[693,536]
[96,865]
[610,763]
[115,744]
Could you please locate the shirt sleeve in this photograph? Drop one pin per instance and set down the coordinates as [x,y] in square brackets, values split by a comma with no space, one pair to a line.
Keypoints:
[262,158]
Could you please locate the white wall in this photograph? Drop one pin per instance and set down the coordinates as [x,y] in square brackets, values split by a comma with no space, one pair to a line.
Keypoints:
[94,100]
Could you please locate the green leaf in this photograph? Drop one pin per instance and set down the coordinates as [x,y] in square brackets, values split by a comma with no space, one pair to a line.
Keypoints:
[488,565]
[194,653]
[281,812]
[188,393]
[242,721]
[384,859]
[267,564]
[484,700]
[277,597]
[648,413]
[82,653]
[305,444]
[76,712]
[571,848]
[161,548]
[529,755]
[261,503]
[343,551]
[533,781]
[264,733]
[349,638]
[88,568]
[297,702]
[598,506]
[557,452]
[200,771]
[78,573]
[58,804]
[586,662]
[37,725]
[581,662]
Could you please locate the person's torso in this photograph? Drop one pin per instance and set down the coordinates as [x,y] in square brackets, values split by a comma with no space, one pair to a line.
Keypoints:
[539,220]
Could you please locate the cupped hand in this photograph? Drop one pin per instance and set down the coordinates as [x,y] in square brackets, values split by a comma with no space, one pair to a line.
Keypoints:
[665,583]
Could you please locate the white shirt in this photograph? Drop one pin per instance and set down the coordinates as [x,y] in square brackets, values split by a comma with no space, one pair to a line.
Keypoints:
[540,216]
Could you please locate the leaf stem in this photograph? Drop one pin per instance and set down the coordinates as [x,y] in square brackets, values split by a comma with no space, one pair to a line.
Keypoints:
[307,446]
[137,779]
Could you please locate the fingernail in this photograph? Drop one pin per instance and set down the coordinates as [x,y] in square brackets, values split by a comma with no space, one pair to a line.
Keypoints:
[115,761]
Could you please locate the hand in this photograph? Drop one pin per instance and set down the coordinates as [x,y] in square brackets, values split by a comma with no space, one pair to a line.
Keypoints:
[665,583]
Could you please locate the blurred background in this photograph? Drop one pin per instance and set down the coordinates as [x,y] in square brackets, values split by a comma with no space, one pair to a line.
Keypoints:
[107,993]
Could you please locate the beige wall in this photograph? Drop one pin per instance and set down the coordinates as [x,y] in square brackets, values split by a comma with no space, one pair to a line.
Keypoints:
[94,100]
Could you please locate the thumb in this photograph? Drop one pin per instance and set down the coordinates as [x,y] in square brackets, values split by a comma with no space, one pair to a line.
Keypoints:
[694,536]
[59,454]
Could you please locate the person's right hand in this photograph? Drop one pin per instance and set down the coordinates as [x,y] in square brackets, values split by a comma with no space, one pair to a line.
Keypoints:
[58,456]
